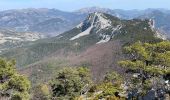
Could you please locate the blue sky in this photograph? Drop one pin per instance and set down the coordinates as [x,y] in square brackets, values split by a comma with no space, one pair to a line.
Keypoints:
[70,5]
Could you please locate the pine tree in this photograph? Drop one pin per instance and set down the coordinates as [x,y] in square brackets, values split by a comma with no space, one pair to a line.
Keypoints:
[12,85]
[70,82]
[150,61]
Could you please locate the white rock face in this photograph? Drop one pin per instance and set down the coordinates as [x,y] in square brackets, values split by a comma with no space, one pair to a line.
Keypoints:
[104,23]
[105,39]
[161,36]
[158,34]
[99,21]
[86,32]
[80,25]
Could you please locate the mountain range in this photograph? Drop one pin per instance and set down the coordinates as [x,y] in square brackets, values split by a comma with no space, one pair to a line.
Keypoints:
[35,20]
[45,22]
[44,40]
[51,22]
[95,42]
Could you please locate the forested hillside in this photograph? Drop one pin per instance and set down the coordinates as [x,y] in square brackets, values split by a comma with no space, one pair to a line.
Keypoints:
[102,58]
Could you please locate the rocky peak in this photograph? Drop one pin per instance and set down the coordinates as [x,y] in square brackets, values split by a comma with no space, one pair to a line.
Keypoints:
[97,20]
[100,24]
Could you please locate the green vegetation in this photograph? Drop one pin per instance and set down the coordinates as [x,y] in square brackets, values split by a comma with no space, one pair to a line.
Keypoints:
[41,92]
[69,82]
[74,83]
[110,87]
[44,71]
[131,31]
[147,62]
[150,62]
[12,84]
[136,30]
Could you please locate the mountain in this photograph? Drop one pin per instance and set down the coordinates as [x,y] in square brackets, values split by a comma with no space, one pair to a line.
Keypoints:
[118,13]
[93,10]
[104,27]
[123,14]
[161,20]
[52,22]
[96,42]
[21,26]
[52,27]
[160,16]
[35,20]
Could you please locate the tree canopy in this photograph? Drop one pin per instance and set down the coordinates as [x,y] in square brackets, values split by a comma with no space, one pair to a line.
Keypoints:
[12,84]
[69,82]
[151,58]
[150,62]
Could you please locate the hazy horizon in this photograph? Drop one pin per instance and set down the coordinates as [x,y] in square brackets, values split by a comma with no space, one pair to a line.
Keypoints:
[72,5]
[82,8]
